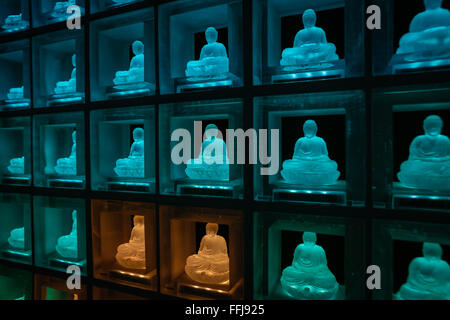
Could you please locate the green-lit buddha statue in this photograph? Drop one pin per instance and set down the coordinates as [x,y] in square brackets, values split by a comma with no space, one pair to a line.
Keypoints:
[17,238]
[308,278]
[428,278]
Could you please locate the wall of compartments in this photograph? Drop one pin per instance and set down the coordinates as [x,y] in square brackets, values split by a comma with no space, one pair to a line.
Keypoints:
[367,107]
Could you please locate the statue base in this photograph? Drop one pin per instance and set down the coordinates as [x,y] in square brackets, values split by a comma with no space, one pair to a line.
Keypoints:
[16,254]
[130,90]
[326,70]
[280,294]
[66,182]
[65,98]
[16,103]
[131,185]
[136,277]
[225,189]
[410,198]
[190,289]
[334,194]
[17,180]
[403,64]
[225,80]
[22,25]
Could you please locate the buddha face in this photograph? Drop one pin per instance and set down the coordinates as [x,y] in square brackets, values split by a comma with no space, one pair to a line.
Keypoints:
[211,35]
[432,4]
[138,47]
[433,125]
[309,18]
[310,128]
[212,228]
[74,137]
[211,131]
[138,134]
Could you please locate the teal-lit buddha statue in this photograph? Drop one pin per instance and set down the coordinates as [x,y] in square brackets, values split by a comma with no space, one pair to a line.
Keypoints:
[311,48]
[133,166]
[67,246]
[310,165]
[212,163]
[211,264]
[15,23]
[17,165]
[135,74]
[308,278]
[429,33]
[70,86]
[17,238]
[131,255]
[60,9]
[68,166]
[428,277]
[213,61]
[428,166]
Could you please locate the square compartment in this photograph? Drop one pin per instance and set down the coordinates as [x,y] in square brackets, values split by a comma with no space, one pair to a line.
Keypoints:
[58,161]
[340,119]
[14,16]
[396,244]
[182,26]
[396,19]
[15,158]
[112,51]
[15,87]
[15,284]
[118,126]
[56,81]
[56,232]
[396,121]
[103,5]
[15,228]
[275,25]
[52,11]
[53,288]
[276,236]
[113,228]
[182,230]
[192,118]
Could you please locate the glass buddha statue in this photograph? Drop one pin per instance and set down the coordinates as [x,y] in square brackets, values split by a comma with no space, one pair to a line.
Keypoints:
[211,264]
[131,255]
[133,166]
[428,166]
[67,246]
[429,33]
[17,238]
[68,87]
[135,75]
[310,164]
[311,48]
[308,278]
[15,23]
[428,276]
[68,166]
[213,63]
[212,163]
[17,165]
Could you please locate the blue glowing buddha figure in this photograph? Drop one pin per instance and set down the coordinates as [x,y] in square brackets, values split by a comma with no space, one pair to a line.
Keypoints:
[17,166]
[428,276]
[213,63]
[68,166]
[212,163]
[428,166]
[310,165]
[131,255]
[211,263]
[133,166]
[308,278]
[17,238]
[429,33]
[15,23]
[70,86]
[135,74]
[311,48]
[67,246]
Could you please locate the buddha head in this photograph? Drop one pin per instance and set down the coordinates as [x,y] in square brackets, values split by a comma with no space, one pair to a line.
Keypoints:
[309,238]
[432,125]
[138,134]
[432,4]
[138,220]
[138,47]
[211,229]
[211,35]
[211,131]
[432,250]
[74,137]
[309,18]
[74,215]
[310,128]
[74,60]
